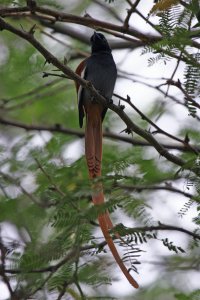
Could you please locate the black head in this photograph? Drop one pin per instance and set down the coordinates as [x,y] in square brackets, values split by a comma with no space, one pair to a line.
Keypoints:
[99,43]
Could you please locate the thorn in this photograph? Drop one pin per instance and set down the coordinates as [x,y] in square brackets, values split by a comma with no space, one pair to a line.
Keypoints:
[45,75]
[187,139]
[169,184]
[86,15]
[58,126]
[46,62]
[128,98]
[178,83]
[126,130]
[153,132]
[32,29]
[65,60]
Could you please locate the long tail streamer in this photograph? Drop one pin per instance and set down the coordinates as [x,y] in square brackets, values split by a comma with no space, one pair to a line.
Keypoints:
[93,151]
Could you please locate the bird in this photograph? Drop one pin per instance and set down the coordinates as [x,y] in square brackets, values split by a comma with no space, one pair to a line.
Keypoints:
[100,69]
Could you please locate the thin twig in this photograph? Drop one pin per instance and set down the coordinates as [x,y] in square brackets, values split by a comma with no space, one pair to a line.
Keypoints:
[147,21]
[56,188]
[174,72]
[24,191]
[63,290]
[129,13]
[166,187]
[180,87]
[36,97]
[109,9]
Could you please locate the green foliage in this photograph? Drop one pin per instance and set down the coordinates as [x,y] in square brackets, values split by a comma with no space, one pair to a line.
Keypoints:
[192,77]
[175,26]
[45,191]
[192,296]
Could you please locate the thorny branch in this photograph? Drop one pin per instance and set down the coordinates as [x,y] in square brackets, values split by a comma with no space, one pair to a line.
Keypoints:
[155,87]
[69,131]
[166,187]
[159,130]
[72,254]
[162,227]
[187,96]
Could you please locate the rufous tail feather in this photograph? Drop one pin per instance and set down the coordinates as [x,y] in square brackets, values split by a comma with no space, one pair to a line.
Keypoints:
[93,152]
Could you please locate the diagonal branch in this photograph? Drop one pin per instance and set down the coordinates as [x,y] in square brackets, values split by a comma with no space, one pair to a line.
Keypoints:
[180,87]
[129,13]
[159,130]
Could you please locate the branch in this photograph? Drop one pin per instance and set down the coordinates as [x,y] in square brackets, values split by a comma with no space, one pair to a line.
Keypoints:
[157,87]
[69,18]
[166,187]
[72,254]
[35,97]
[66,30]
[147,21]
[63,290]
[33,91]
[109,9]
[161,227]
[24,191]
[55,187]
[187,96]
[60,129]
[129,13]
[159,130]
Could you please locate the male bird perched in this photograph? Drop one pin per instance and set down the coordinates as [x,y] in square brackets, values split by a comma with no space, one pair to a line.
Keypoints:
[100,70]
